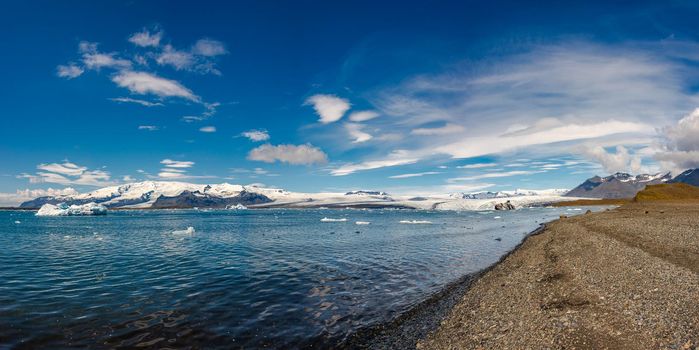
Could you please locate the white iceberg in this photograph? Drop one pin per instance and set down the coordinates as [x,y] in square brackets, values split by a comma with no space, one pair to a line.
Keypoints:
[63,209]
[362,223]
[415,222]
[236,207]
[332,220]
[189,231]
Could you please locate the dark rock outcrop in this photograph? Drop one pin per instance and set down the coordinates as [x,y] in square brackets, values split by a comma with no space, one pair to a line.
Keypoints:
[189,199]
[505,206]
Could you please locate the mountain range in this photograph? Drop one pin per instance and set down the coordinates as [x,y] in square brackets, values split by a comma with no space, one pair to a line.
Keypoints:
[165,194]
[623,185]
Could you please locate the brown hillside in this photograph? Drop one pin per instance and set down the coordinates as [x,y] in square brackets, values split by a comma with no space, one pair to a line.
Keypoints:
[668,192]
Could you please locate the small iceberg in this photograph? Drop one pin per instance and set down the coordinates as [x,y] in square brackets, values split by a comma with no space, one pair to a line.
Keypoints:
[362,223]
[497,217]
[415,222]
[332,220]
[189,231]
[17,222]
[63,209]
[236,207]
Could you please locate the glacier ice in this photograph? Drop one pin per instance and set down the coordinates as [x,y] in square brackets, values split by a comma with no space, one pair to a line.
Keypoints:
[189,231]
[63,209]
[332,220]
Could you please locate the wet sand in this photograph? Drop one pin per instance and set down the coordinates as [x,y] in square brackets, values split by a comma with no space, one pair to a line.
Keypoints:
[626,278]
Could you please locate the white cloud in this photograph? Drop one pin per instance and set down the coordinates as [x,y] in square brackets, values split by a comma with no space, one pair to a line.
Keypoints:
[621,161]
[330,108]
[207,129]
[209,48]
[176,163]
[70,71]
[256,135]
[148,127]
[355,131]
[127,178]
[136,101]
[548,99]
[484,145]
[495,175]
[443,130]
[477,166]
[680,148]
[65,168]
[19,196]
[404,176]
[180,60]
[145,83]
[292,154]
[394,159]
[362,116]
[146,38]
[95,60]
[69,176]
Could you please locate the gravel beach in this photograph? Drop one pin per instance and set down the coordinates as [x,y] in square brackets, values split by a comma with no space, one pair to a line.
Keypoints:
[619,279]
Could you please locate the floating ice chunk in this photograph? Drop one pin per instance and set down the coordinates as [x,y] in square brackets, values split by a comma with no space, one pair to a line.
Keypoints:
[17,222]
[332,220]
[362,223]
[63,209]
[237,207]
[497,217]
[189,231]
[415,222]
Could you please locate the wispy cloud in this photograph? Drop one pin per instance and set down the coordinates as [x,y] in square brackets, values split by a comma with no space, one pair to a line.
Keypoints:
[146,38]
[208,129]
[355,131]
[177,163]
[477,165]
[209,48]
[143,83]
[442,130]
[494,175]
[69,71]
[19,196]
[405,176]
[292,154]
[396,158]
[330,108]
[136,101]
[680,144]
[362,116]
[68,173]
[148,127]
[256,135]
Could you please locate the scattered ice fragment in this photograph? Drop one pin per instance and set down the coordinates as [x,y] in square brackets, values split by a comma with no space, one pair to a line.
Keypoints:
[189,231]
[332,220]
[236,207]
[17,222]
[415,222]
[496,217]
[63,209]
[362,223]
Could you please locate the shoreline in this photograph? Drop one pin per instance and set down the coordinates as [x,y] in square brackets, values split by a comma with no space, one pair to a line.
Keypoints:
[615,279]
[414,325]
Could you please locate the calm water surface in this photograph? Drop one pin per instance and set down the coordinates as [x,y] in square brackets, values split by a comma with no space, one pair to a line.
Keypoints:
[276,278]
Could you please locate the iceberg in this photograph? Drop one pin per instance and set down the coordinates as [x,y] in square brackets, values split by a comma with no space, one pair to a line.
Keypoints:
[236,207]
[63,209]
[415,222]
[362,223]
[189,231]
[332,220]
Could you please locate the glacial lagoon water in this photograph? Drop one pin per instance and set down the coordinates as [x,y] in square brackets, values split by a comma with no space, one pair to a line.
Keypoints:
[242,279]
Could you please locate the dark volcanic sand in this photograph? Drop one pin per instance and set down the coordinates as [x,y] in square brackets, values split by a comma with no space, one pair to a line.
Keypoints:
[626,278]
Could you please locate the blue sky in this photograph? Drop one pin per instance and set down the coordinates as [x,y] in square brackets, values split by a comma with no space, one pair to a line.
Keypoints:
[420,97]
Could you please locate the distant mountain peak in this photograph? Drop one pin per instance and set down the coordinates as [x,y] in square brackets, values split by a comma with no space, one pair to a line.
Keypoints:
[617,185]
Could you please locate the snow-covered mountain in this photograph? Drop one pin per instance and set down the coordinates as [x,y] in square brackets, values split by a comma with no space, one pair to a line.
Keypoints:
[619,185]
[165,194]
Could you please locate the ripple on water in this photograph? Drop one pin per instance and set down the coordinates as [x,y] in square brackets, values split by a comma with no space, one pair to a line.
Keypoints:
[244,279]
